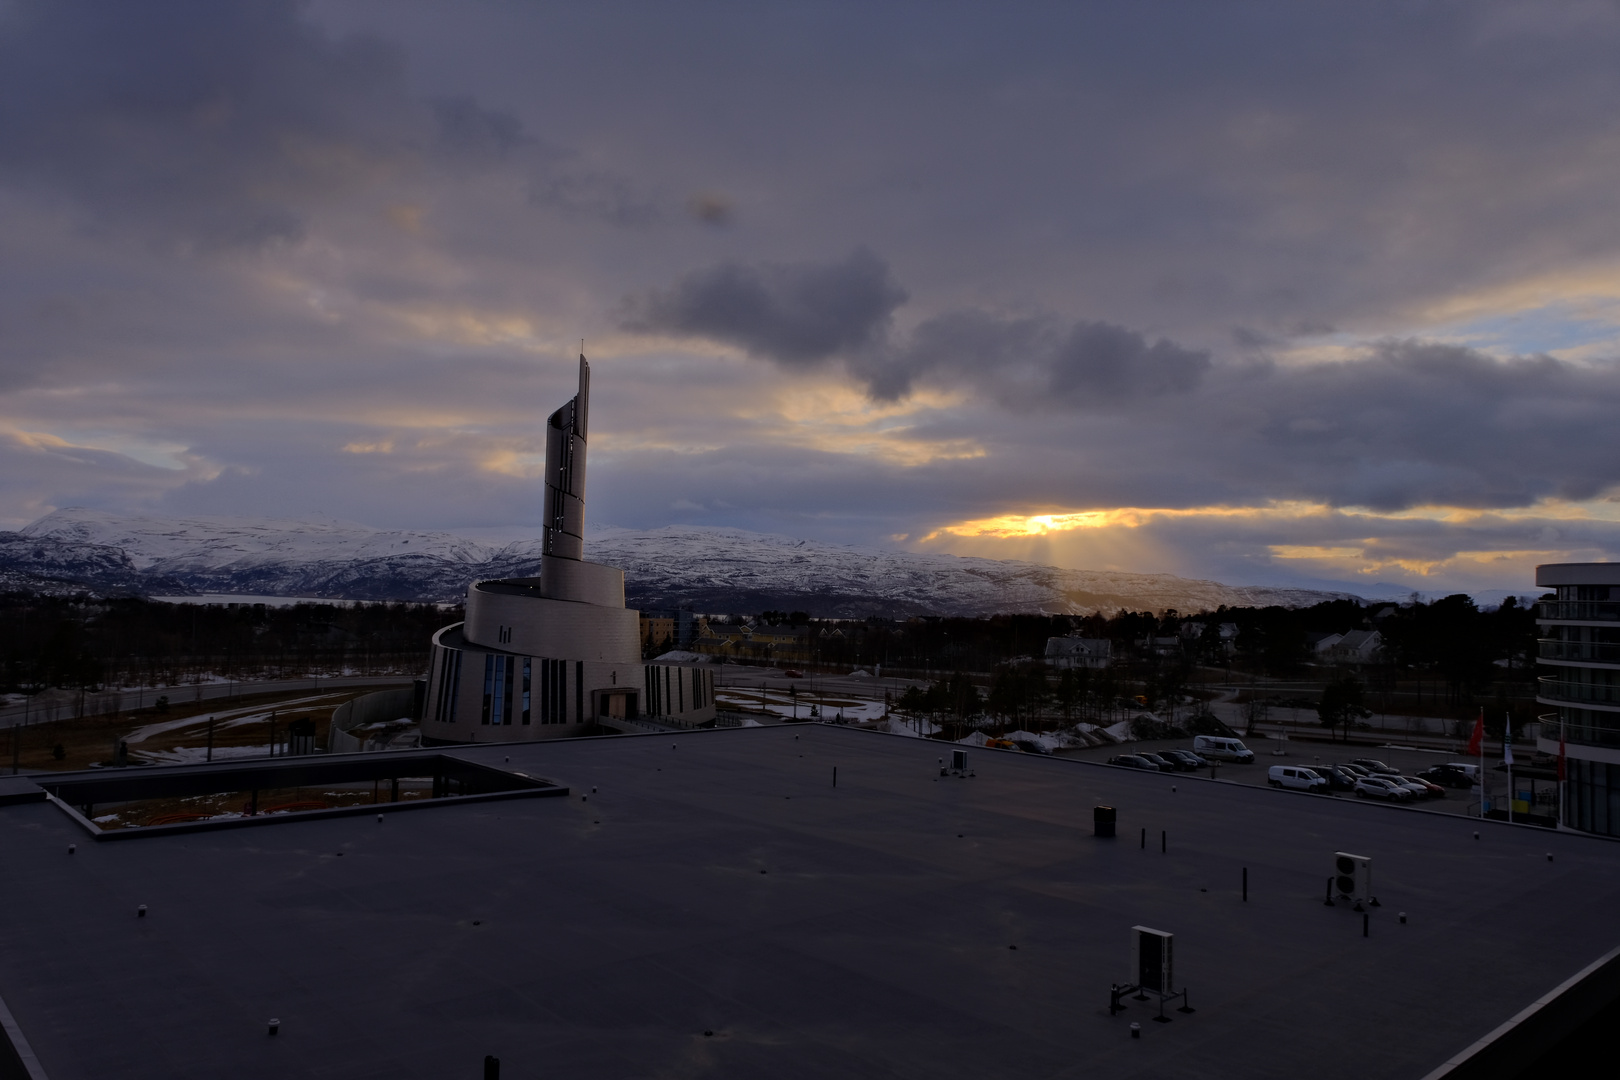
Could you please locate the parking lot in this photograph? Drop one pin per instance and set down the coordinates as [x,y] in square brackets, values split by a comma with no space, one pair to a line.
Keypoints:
[1407,760]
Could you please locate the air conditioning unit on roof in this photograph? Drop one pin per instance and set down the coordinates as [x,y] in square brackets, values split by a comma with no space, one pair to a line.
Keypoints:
[1352,876]
[1151,960]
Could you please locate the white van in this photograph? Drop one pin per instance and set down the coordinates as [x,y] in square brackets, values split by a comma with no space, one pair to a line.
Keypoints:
[1296,777]
[1221,748]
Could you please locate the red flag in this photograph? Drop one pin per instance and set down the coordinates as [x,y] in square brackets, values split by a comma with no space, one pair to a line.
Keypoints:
[1476,743]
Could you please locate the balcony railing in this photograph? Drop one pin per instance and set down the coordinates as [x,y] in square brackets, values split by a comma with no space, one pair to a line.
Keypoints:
[1590,651]
[1579,734]
[1553,688]
[1581,610]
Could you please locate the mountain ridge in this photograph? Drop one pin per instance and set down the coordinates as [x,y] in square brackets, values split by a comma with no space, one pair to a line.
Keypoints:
[707,568]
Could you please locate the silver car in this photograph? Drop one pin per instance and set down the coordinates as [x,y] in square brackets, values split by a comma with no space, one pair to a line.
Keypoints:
[1418,788]
[1381,788]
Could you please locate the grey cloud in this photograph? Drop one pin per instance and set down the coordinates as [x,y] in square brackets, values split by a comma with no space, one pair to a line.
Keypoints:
[970,345]
[1405,424]
[1414,422]
[470,132]
[37,476]
[1283,168]
[213,122]
[1102,360]
[1251,340]
[808,313]
[711,208]
[595,193]
[797,314]
[234,125]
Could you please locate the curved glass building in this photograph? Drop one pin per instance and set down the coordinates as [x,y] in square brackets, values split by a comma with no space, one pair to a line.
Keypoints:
[553,655]
[1580,684]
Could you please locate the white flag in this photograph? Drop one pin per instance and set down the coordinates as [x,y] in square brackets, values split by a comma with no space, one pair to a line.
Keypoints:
[1507,743]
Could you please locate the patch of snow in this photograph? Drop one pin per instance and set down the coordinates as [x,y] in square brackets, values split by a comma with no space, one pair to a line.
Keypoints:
[191,755]
[1041,739]
[915,728]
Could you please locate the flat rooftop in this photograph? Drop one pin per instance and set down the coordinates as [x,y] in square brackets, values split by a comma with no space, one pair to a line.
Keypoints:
[709,903]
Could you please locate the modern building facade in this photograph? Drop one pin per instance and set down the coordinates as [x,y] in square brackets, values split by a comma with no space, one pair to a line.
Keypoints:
[1580,661]
[558,654]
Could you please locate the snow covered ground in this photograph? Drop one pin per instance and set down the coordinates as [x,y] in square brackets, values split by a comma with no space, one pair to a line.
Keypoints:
[779,702]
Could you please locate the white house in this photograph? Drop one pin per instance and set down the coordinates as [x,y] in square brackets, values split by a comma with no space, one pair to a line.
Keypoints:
[1079,652]
[1357,647]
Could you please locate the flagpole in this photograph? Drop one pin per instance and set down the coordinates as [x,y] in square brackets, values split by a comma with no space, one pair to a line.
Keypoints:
[1482,762]
[1561,767]
[1507,746]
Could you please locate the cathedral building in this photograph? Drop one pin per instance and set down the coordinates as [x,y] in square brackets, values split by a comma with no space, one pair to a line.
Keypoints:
[559,654]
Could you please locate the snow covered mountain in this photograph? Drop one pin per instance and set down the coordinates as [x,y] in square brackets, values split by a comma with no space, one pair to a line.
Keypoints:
[708,569]
[711,569]
[337,560]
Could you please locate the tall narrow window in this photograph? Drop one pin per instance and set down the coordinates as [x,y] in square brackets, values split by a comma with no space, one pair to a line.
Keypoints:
[489,687]
[527,662]
[579,691]
[441,707]
[456,685]
[511,687]
[499,697]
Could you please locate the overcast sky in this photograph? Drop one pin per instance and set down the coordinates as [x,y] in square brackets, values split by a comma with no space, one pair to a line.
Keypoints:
[1265,292]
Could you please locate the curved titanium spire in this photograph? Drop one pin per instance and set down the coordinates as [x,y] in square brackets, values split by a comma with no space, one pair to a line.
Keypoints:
[565,473]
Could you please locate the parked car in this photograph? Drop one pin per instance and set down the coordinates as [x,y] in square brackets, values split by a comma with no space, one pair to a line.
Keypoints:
[1376,767]
[1354,770]
[1399,781]
[1164,763]
[1421,788]
[1225,749]
[1295,776]
[1133,761]
[1378,787]
[1468,770]
[1337,779]
[1185,757]
[1446,776]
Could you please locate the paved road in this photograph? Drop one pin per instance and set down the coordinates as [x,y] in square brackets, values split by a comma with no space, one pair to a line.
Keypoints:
[66,707]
